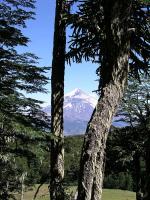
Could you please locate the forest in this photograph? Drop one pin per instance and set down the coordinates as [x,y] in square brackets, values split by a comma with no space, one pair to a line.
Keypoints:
[34,152]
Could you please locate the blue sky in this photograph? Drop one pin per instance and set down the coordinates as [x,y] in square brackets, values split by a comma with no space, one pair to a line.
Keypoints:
[40,32]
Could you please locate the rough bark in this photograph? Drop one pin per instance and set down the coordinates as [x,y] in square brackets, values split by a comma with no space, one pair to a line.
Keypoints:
[113,72]
[23,185]
[147,185]
[138,176]
[57,99]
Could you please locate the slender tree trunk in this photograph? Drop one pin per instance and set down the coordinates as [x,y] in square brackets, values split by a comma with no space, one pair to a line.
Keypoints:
[113,81]
[138,176]
[57,99]
[147,186]
[23,185]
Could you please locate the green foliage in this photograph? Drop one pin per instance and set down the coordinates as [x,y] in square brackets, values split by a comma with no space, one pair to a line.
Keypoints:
[122,180]
[73,145]
[136,105]
[22,123]
[136,110]
[91,28]
[119,168]
[115,176]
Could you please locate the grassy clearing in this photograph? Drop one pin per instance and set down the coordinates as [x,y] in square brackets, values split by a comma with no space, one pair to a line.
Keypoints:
[111,194]
[108,194]
[42,195]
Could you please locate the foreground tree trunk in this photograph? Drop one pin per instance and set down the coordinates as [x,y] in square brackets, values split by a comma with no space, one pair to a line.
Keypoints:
[23,185]
[147,185]
[113,72]
[138,176]
[57,99]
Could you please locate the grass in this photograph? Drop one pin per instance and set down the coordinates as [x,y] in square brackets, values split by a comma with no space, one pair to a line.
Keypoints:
[111,194]
[108,194]
[42,195]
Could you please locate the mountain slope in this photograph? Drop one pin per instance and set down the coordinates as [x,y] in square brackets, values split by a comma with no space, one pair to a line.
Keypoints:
[78,108]
[78,105]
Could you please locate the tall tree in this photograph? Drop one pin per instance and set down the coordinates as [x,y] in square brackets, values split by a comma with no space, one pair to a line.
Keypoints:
[136,111]
[114,71]
[21,118]
[108,35]
[125,150]
[57,99]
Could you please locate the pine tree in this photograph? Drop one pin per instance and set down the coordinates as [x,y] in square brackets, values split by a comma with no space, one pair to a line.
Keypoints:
[21,118]
[57,99]
[136,110]
[105,37]
[125,151]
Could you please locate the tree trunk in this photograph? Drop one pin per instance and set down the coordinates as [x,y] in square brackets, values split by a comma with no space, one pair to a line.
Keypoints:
[138,176]
[23,185]
[147,186]
[57,99]
[113,72]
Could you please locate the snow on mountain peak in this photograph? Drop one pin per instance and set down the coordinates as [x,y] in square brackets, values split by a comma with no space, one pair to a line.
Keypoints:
[78,108]
[77,93]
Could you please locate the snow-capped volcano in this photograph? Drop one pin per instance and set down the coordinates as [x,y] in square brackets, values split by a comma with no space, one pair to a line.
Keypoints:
[78,105]
[80,95]
[78,108]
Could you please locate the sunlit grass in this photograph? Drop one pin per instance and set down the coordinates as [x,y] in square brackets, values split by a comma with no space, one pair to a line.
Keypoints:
[111,194]
[108,194]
